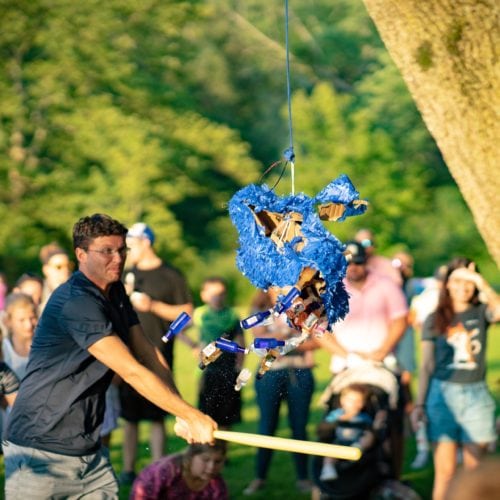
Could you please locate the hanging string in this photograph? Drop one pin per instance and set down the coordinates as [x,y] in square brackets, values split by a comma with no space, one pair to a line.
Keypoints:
[289,153]
[274,165]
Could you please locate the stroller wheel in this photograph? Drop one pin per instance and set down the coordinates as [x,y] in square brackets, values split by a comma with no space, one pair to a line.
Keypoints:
[390,489]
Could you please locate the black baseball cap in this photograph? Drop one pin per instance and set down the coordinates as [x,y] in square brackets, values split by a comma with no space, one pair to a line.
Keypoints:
[355,252]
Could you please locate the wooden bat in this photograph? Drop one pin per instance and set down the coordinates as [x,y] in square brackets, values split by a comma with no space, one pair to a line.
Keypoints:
[293,445]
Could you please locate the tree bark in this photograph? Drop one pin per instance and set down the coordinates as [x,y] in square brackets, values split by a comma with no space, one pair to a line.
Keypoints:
[447,52]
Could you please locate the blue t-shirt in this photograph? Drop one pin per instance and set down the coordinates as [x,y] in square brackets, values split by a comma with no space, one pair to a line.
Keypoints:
[349,432]
[60,404]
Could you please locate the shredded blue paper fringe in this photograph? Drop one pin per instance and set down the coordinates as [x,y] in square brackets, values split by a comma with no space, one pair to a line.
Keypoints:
[260,260]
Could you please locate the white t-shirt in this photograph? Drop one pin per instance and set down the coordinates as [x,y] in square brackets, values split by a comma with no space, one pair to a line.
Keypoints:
[16,363]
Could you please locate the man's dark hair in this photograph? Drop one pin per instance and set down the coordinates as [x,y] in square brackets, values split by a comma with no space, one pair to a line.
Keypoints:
[93,226]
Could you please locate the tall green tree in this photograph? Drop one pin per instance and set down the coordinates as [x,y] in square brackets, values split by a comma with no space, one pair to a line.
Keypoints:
[94,118]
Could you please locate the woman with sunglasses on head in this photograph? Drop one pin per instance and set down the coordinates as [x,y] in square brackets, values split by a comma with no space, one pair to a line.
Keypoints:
[56,269]
[453,397]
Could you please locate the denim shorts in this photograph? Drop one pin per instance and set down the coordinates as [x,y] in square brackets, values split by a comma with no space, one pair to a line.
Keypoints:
[32,474]
[462,413]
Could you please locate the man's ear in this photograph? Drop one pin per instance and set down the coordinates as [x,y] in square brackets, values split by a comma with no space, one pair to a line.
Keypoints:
[81,254]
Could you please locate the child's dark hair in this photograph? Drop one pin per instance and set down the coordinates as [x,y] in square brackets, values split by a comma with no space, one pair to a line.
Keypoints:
[197,449]
[93,226]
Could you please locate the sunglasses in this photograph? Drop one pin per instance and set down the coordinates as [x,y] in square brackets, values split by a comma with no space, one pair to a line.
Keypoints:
[59,267]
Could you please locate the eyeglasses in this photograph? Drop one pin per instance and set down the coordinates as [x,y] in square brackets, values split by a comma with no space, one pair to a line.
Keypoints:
[110,252]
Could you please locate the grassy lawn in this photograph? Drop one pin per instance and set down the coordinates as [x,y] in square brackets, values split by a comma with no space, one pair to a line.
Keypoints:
[281,481]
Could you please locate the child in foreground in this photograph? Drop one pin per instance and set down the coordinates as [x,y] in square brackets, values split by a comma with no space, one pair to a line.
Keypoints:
[191,475]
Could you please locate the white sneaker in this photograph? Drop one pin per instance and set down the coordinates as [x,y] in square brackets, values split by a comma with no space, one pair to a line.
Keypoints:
[328,473]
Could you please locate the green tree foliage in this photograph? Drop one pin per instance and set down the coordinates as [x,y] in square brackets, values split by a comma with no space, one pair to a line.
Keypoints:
[94,118]
[334,141]
[162,110]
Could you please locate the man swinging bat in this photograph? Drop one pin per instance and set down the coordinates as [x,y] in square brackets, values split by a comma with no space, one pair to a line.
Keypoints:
[88,330]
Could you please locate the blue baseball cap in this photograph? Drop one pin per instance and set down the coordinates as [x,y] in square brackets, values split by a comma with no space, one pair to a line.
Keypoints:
[141,230]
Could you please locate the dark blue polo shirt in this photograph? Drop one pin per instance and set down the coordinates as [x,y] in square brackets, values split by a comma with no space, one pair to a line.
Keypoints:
[60,404]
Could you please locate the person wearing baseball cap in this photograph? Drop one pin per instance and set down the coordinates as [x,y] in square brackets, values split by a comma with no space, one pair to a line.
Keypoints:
[375,262]
[375,323]
[141,230]
[159,293]
[355,252]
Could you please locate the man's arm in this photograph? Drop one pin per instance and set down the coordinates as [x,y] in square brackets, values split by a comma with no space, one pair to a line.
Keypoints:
[395,331]
[112,352]
[143,303]
[150,356]
[331,344]
[169,311]
[426,370]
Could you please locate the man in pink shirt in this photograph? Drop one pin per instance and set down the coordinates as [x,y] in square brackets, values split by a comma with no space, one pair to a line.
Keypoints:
[376,321]
[377,314]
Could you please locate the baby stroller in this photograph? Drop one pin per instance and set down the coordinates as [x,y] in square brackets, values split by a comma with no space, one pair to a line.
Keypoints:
[360,479]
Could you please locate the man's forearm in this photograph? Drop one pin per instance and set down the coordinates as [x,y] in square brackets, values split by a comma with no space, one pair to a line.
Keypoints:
[160,367]
[397,329]
[151,357]
[331,344]
[160,390]
[169,312]
[426,371]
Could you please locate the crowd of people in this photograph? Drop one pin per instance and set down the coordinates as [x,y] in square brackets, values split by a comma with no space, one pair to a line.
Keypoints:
[82,349]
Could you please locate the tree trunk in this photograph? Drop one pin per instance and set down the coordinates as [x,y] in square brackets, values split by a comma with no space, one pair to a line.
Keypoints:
[447,52]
